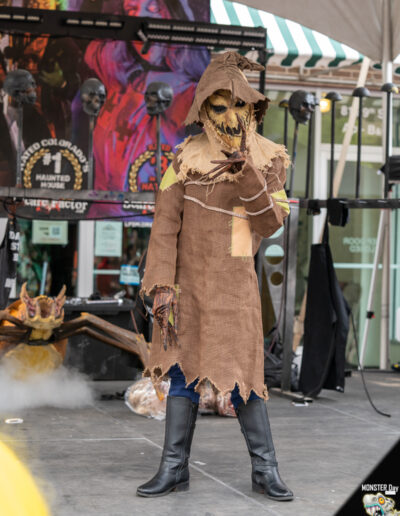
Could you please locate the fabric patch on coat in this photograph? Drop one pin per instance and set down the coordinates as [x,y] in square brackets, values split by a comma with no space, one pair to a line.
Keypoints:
[281,200]
[169,178]
[241,234]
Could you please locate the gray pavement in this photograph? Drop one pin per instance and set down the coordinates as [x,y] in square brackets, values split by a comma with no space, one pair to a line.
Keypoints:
[89,461]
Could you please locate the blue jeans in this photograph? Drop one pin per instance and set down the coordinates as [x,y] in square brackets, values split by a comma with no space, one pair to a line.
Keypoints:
[178,388]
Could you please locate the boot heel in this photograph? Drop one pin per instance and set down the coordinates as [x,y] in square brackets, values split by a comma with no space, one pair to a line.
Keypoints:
[184,486]
[257,488]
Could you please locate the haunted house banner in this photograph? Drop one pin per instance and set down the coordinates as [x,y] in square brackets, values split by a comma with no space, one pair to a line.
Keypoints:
[56,129]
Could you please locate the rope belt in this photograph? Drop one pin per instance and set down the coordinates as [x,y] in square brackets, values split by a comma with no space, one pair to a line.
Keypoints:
[249,199]
[215,208]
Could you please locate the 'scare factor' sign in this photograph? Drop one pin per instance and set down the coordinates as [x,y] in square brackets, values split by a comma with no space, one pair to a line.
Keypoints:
[58,165]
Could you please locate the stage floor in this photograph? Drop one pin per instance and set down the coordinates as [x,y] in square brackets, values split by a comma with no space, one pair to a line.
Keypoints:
[90,460]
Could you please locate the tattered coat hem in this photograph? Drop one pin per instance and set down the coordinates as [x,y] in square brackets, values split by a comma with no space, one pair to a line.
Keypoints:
[159,373]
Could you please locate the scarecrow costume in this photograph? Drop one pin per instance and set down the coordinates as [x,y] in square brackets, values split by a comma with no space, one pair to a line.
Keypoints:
[220,196]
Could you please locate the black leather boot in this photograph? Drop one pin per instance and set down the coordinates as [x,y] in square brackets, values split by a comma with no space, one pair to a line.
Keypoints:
[173,474]
[254,422]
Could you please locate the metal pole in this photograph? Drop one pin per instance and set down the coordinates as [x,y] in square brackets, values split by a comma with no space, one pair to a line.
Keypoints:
[85,279]
[44,277]
[388,88]
[332,167]
[158,152]
[382,248]
[287,357]
[285,105]
[387,75]
[18,178]
[285,127]
[333,97]
[90,181]
[359,142]
[294,154]
[370,312]
[309,153]
[385,294]
[387,142]
[262,57]
[359,92]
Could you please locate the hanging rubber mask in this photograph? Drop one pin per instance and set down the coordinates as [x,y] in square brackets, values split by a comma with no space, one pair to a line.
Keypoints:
[21,86]
[158,97]
[302,106]
[93,95]
[222,110]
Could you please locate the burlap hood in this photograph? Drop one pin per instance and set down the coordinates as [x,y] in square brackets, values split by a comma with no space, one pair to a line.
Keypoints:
[225,72]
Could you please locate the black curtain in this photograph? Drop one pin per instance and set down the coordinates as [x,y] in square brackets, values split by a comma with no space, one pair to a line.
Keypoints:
[326,325]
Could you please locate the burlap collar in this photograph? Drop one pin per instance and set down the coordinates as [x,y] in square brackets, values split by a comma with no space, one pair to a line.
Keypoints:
[197,152]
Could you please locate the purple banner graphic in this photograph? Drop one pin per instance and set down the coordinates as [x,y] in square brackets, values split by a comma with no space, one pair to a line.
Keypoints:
[124,137]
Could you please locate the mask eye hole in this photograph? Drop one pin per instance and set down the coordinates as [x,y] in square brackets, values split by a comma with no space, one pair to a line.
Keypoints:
[218,108]
[240,103]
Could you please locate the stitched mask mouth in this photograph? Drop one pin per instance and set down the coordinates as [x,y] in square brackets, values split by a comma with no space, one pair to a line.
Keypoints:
[230,131]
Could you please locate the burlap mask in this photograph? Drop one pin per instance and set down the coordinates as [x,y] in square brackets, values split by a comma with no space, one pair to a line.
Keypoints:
[223,111]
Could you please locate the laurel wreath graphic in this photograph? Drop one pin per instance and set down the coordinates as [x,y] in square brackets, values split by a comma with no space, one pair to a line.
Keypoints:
[29,166]
[139,162]
[76,166]
[67,154]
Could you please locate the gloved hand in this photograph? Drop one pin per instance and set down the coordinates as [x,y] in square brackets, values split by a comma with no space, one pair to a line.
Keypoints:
[165,301]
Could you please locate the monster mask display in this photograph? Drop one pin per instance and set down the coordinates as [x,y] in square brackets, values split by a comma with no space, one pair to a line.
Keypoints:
[301,106]
[223,111]
[158,97]
[21,86]
[93,94]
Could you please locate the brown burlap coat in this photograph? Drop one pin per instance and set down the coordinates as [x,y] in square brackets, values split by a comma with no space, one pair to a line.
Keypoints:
[203,241]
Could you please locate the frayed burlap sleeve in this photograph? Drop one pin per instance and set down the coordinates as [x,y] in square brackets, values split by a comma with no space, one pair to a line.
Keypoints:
[264,197]
[162,252]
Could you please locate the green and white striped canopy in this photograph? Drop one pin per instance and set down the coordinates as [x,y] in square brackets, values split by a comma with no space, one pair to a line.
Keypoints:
[288,42]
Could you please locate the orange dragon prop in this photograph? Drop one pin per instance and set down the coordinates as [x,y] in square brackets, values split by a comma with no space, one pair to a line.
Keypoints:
[34,336]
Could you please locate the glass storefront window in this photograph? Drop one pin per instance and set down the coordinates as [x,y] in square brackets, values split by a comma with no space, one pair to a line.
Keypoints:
[353,246]
[372,114]
[57,261]
[353,249]
[396,123]
[121,249]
